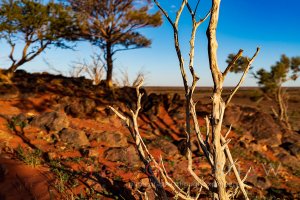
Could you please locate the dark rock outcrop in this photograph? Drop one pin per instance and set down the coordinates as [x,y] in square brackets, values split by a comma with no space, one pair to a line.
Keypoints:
[126,155]
[111,139]
[261,125]
[51,121]
[74,137]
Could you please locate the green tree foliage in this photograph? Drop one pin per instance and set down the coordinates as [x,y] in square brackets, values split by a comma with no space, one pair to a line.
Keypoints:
[34,25]
[113,26]
[238,66]
[284,70]
[271,82]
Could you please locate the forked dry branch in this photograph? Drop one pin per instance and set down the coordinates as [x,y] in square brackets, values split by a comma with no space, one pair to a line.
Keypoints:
[214,145]
[146,156]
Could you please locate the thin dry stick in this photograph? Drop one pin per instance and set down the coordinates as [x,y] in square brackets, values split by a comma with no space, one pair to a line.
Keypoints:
[190,168]
[241,183]
[176,39]
[189,91]
[219,105]
[203,144]
[143,151]
[231,64]
[243,76]
[159,190]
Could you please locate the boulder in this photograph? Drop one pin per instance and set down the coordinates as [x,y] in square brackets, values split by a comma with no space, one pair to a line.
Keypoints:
[8,91]
[261,125]
[293,148]
[165,146]
[77,107]
[285,158]
[278,193]
[110,138]
[51,121]
[291,143]
[74,137]
[126,155]
[232,115]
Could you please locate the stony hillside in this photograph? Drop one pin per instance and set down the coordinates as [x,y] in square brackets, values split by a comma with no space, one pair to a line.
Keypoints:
[59,140]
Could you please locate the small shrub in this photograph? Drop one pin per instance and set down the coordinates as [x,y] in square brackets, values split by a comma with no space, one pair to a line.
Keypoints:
[32,158]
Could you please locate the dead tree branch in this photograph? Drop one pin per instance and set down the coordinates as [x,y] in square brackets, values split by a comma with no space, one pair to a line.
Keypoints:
[243,76]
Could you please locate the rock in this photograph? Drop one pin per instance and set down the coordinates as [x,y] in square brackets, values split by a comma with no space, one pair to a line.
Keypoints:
[262,183]
[293,148]
[81,107]
[291,143]
[277,193]
[126,155]
[77,107]
[8,91]
[232,115]
[94,152]
[151,104]
[164,145]
[287,159]
[74,137]
[51,121]
[261,125]
[144,185]
[52,155]
[111,139]
[264,129]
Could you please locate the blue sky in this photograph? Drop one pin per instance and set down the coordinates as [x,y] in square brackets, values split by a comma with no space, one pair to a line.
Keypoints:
[272,25]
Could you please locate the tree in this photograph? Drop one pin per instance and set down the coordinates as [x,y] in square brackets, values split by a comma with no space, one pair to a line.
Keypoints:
[37,25]
[271,82]
[213,143]
[113,26]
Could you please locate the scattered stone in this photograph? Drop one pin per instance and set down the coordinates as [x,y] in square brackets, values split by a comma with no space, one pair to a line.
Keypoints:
[94,152]
[52,155]
[293,148]
[111,139]
[126,155]
[287,159]
[164,145]
[262,183]
[232,115]
[261,125]
[51,121]
[74,137]
[8,91]
[277,193]
[81,107]
[291,143]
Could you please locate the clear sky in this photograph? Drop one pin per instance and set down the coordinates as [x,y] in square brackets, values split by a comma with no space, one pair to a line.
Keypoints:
[273,25]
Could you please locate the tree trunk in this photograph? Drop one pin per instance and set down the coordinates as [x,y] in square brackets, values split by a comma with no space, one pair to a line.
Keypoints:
[12,69]
[283,117]
[218,152]
[280,104]
[7,74]
[109,64]
[218,105]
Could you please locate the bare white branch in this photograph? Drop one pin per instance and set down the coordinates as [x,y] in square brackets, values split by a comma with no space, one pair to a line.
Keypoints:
[243,76]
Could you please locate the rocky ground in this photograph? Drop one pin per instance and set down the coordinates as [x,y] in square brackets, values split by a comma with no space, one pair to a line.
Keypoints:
[59,140]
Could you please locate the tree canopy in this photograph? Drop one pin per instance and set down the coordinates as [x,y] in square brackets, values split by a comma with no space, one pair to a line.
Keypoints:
[284,70]
[113,25]
[271,82]
[37,25]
